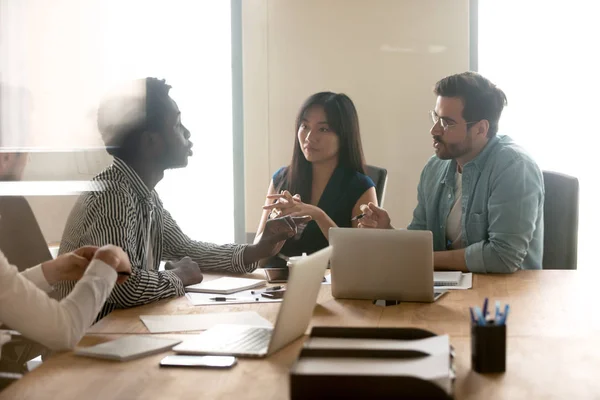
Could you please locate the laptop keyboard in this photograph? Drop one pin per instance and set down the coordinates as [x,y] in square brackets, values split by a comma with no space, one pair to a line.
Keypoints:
[251,340]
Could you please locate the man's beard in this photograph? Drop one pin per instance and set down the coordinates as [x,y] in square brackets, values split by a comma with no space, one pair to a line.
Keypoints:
[454,150]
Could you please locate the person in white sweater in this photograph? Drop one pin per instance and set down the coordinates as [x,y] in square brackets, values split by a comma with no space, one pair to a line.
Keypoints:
[24,303]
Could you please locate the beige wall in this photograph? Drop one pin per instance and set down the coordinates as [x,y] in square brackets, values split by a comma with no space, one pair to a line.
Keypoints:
[385,54]
[51,212]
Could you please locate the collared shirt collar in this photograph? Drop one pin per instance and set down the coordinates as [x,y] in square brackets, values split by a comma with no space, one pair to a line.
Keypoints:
[136,182]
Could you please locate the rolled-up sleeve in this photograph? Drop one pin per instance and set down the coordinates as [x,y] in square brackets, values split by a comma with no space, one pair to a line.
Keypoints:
[517,194]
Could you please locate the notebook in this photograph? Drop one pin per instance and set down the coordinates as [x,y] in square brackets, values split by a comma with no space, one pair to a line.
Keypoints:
[128,348]
[226,285]
[450,278]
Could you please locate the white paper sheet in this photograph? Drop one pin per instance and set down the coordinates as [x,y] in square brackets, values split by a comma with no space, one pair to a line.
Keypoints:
[245,297]
[466,282]
[197,322]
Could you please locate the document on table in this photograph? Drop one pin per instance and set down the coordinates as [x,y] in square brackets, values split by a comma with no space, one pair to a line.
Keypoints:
[198,322]
[466,282]
[245,297]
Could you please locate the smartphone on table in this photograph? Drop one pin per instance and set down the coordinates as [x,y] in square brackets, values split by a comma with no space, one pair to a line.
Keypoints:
[198,361]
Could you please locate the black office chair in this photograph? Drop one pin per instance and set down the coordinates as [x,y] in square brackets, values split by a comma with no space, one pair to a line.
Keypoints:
[379,177]
[561,221]
[23,245]
[21,239]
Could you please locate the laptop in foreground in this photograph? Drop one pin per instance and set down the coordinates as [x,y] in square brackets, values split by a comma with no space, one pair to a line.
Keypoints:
[292,320]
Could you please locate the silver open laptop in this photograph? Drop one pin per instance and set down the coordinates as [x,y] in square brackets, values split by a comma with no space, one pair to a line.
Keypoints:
[292,320]
[382,264]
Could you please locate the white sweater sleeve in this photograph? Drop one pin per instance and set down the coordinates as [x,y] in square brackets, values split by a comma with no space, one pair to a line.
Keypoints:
[36,275]
[25,307]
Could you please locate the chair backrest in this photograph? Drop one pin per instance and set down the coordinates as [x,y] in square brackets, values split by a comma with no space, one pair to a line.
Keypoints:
[24,245]
[379,177]
[561,221]
[21,239]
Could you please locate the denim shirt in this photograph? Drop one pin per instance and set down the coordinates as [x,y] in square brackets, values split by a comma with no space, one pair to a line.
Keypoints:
[502,207]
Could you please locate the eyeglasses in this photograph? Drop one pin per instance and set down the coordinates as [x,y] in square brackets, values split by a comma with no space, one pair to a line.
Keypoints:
[446,126]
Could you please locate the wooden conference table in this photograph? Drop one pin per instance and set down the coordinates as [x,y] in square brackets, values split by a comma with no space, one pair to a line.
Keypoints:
[553,348]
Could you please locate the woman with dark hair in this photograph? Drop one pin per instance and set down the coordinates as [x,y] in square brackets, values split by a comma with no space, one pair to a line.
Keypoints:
[326,177]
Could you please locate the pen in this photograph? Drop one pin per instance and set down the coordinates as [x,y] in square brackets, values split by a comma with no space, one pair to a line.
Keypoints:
[229,299]
[497,316]
[503,318]
[359,216]
[485,306]
[480,319]
[472,315]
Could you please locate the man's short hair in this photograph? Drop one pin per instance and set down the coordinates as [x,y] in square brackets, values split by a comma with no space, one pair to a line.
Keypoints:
[124,116]
[480,97]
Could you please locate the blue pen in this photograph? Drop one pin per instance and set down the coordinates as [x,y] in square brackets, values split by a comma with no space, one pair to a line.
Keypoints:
[472,315]
[480,319]
[485,305]
[505,315]
[497,316]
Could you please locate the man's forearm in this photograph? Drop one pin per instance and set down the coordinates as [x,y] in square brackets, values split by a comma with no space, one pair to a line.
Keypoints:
[144,287]
[254,253]
[450,260]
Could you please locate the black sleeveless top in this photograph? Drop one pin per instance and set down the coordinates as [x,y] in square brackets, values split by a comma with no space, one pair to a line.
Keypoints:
[342,192]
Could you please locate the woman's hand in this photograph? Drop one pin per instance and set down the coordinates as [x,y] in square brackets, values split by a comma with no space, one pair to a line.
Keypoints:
[69,266]
[286,204]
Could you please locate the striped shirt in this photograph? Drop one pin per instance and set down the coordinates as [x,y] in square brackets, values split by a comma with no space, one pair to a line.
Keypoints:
[127,214]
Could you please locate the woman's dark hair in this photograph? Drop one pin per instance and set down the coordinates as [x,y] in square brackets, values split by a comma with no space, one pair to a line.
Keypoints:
[343,121]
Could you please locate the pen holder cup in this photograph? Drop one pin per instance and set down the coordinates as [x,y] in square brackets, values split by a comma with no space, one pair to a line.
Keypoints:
[488,348]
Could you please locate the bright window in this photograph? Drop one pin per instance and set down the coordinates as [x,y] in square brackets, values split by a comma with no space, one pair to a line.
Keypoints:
[69,52]
[543,54]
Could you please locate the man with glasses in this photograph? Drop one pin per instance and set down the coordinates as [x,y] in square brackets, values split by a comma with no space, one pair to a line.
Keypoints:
[481,195]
